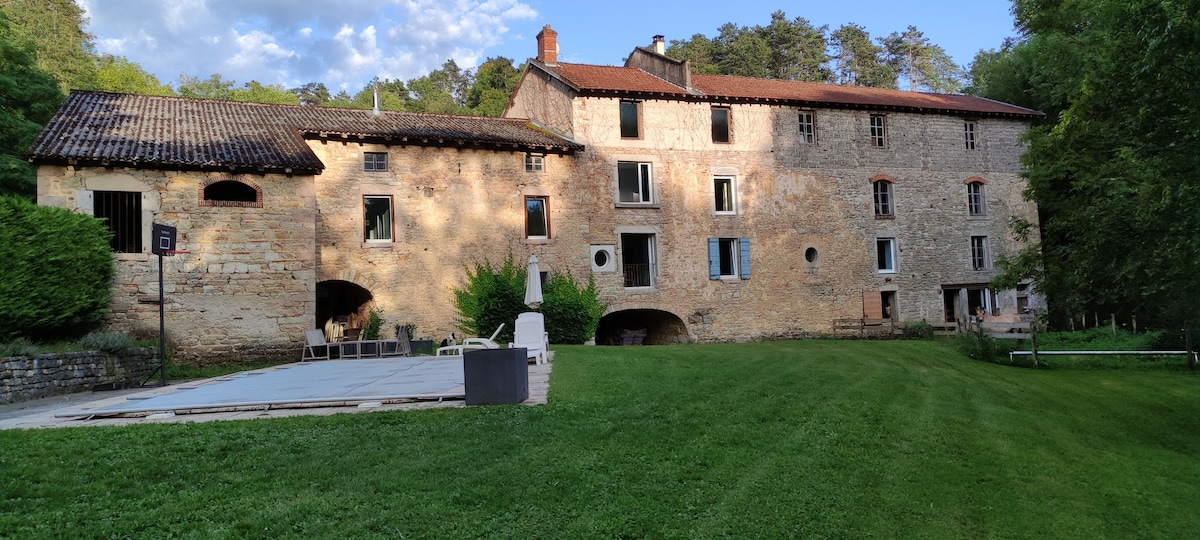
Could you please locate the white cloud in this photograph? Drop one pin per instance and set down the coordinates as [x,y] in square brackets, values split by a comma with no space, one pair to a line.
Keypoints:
[343,44]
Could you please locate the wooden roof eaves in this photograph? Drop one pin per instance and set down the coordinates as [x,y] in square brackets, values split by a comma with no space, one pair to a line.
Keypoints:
[173,166]
[442,142]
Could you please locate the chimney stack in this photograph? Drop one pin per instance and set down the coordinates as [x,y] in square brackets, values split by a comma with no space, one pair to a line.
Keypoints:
[659,47]
[547,43]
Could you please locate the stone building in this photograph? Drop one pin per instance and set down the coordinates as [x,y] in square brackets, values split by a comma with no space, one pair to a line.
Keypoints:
[706,207]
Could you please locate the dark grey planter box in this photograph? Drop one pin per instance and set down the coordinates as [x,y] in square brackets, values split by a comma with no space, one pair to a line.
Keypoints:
[496,376]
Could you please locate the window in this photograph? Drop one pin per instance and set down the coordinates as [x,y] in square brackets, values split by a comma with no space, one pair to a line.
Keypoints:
[535,163]
[375,161]
[537,218]
[728,258]
[122,212]
[975,205]
[969,134]
[979,253]
[634,182]
[807,133]
[878,131]
[885,255]
[882,190]
[631,112]
[723,195]
[377,217]
[720,124]
[230,191]
[638,260]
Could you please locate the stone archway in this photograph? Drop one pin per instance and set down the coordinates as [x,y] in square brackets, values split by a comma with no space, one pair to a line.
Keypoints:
[341,302]
[649,326]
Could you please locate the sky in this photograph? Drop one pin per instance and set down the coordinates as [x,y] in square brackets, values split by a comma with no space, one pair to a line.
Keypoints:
[345,43]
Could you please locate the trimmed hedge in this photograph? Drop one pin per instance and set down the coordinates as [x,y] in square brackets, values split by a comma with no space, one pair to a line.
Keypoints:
[55,271]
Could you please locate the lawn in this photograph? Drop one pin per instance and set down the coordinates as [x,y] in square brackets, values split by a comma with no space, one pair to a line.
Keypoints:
[807,439]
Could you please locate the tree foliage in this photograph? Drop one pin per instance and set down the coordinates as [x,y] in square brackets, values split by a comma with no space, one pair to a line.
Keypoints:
[572,310]
[491,296]
[53,30]
[55,272]
[857,60]
[28,98]
[1113,167]
[924,65]
[493,83]
[118,74]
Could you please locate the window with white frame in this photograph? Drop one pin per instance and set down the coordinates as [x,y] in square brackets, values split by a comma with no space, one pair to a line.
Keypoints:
[728,258]
[638,260]
[969,134]
[975,199]
[375,161]
[720,124]
[882,192]
[535,162]
[878,131]
[631,113]
[979,253]
[537,217]
[377,218]
[885,255]
[807,128]
[723,195]
[634,183]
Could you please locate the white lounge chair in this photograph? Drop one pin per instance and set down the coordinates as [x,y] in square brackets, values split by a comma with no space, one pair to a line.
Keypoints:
[471,344]
[530,332]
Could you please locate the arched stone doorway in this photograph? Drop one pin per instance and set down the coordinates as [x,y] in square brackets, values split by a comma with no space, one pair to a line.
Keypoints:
[341,303]
[649,326]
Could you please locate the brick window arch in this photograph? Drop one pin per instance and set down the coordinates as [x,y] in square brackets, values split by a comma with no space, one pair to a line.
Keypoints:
[232,192]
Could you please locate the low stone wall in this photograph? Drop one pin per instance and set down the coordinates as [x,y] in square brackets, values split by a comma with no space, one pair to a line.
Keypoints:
[24,378]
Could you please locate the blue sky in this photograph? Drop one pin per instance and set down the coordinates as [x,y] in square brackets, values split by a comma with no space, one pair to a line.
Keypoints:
[344,43]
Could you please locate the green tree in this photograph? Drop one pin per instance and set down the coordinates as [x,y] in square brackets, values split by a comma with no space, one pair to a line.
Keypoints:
[743,52]
[53,29]
[28,98]
[923,64]
[857,60]
[1113,168]
[256,92]
[391,96]
[494,82]
[699,51]
[118,74]
[442,90]
[797,49]
[214,87]
[313,93]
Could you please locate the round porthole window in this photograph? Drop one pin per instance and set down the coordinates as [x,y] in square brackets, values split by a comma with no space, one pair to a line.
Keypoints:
[600,258]
[810,255]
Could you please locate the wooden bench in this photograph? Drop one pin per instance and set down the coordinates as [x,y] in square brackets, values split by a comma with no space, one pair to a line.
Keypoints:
[864,326]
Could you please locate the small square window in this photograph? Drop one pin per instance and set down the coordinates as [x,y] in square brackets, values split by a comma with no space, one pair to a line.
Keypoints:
[723,195]
[534,163]
[720,124]
[807,131]
[375,161]
[885,255]
[979,253]
[878,131]
[882,190]
[631,112]
[537,218]
[969,134]
[634,183]
[377,218]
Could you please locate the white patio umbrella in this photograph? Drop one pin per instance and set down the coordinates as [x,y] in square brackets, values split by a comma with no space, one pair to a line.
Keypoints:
[533,284]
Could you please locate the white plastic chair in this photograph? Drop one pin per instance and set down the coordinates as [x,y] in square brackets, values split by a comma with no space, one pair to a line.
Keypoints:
[530,332]
[471,344]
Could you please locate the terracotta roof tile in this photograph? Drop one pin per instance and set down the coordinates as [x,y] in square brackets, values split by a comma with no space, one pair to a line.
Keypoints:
[590,79]
[133,130]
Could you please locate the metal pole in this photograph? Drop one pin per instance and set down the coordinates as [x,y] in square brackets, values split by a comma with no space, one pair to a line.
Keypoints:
[162,328]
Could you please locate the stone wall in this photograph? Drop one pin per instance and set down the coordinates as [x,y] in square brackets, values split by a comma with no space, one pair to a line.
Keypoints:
[24,378]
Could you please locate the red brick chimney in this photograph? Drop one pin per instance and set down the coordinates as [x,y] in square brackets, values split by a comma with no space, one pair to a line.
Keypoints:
[547,43]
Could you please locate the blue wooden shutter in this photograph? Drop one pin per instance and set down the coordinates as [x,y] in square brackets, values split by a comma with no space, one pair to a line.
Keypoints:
[714,258]
[744,250]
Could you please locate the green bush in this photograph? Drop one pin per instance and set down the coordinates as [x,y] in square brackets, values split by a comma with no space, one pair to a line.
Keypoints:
[18,347]
[374,324]
[109,342]
[918,330]
[984,349]
[57,268]
[491,296]
[572,312]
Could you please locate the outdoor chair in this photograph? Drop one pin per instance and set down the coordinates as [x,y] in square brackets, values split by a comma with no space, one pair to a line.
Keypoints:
[471,344]
[398,347]
[530,332]
[315,347]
